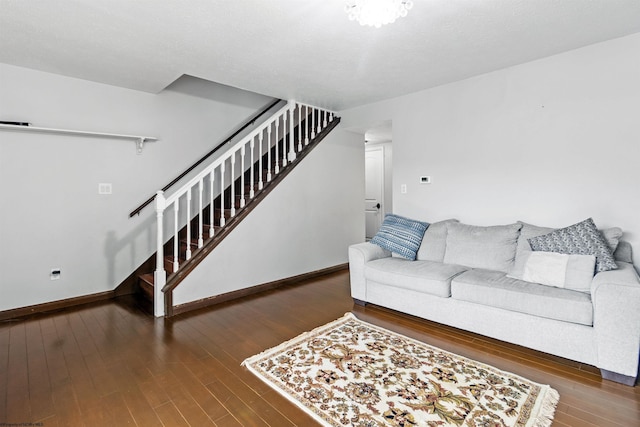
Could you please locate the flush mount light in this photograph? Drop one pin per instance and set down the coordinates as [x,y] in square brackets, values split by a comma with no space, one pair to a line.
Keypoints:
[376,13]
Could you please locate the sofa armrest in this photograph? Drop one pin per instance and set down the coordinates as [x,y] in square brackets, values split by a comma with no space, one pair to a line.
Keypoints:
[359,255]
[616,319]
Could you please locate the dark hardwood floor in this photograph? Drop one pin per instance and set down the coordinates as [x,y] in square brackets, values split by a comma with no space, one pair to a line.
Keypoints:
[109,364]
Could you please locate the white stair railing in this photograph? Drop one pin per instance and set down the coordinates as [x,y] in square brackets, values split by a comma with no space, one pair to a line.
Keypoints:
[210,182]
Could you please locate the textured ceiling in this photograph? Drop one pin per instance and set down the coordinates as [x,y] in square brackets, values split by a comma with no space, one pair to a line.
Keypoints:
[307,50]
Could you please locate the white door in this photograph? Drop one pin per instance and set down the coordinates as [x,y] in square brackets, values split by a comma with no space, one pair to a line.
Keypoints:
[373,190]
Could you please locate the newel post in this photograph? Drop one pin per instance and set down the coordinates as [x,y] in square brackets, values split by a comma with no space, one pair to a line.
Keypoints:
[159,276]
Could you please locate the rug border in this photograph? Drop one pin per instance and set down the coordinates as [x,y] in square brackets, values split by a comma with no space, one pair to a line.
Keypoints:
[288,396]
[545,405]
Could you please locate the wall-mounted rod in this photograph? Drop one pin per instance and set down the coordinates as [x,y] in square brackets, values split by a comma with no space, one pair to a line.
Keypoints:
[140,140]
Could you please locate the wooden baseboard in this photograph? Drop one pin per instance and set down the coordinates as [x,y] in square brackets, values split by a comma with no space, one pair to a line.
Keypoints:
[217,299]
[16,313]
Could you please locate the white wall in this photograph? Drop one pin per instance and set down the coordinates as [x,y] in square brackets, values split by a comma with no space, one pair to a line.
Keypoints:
[550,142]
[305,224]
[51,214]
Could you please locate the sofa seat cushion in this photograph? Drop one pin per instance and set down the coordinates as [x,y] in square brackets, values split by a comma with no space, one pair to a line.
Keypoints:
[430,277]
[495,289]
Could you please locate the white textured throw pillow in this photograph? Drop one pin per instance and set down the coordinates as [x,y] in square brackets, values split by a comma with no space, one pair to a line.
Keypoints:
[553,269]
[546,268]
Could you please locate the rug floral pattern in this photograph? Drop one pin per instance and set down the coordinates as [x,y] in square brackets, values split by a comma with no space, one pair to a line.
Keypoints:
[351,373]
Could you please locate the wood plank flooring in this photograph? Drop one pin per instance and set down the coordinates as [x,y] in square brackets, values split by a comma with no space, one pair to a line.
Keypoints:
[109,364]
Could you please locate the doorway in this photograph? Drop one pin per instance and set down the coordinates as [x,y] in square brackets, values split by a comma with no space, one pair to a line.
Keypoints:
[378,177]
[373,190]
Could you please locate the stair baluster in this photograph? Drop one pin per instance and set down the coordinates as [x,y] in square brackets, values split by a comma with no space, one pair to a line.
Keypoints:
[211,208]
[188,253]
[260,179]
[299,128]
[306,125]
[233,187]
[277,124]
[269,153]
[242,157]
[284,139]
[222,216]
[176,239]
[292,134]
[200,207]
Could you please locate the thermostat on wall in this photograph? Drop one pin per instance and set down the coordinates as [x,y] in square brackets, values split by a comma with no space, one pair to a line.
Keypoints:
[425,180]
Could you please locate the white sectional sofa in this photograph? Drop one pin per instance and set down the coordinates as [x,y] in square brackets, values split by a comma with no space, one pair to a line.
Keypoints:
[481,279]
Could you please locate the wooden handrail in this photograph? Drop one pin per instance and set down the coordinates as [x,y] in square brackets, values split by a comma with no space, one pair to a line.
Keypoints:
[250,122]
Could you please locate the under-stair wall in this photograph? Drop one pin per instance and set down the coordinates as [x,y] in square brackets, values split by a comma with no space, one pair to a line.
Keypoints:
[305,224]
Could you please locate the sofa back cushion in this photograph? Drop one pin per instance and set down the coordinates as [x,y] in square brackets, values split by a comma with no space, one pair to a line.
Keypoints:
[527,232]
[624,252]
[612,236]
[434,241]
[491,248]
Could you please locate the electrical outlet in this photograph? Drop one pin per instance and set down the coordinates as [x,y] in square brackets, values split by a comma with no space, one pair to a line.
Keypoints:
[425,180]
[403,189]
[55,273]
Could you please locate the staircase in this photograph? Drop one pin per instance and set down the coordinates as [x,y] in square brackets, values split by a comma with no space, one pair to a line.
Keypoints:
[199,215]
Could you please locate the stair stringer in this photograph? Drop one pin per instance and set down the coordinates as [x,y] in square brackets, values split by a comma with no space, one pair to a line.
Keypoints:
[306,224]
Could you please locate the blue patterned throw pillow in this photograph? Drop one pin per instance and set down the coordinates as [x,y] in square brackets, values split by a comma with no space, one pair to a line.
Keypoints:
[400,235]
[582,238]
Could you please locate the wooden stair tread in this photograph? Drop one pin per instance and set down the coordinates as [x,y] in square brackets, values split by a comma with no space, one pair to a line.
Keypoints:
[145,284]
[193,241]
[147,278]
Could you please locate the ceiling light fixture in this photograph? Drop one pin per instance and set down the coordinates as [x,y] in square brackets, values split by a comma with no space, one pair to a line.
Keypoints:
[376,13]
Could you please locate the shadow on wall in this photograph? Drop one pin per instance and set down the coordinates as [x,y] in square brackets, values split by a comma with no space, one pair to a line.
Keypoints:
[142,239]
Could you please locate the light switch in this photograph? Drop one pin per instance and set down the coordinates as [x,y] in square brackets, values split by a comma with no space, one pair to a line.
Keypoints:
[104,188]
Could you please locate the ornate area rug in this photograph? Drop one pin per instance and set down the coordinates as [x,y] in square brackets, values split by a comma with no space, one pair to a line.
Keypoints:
[352,373]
